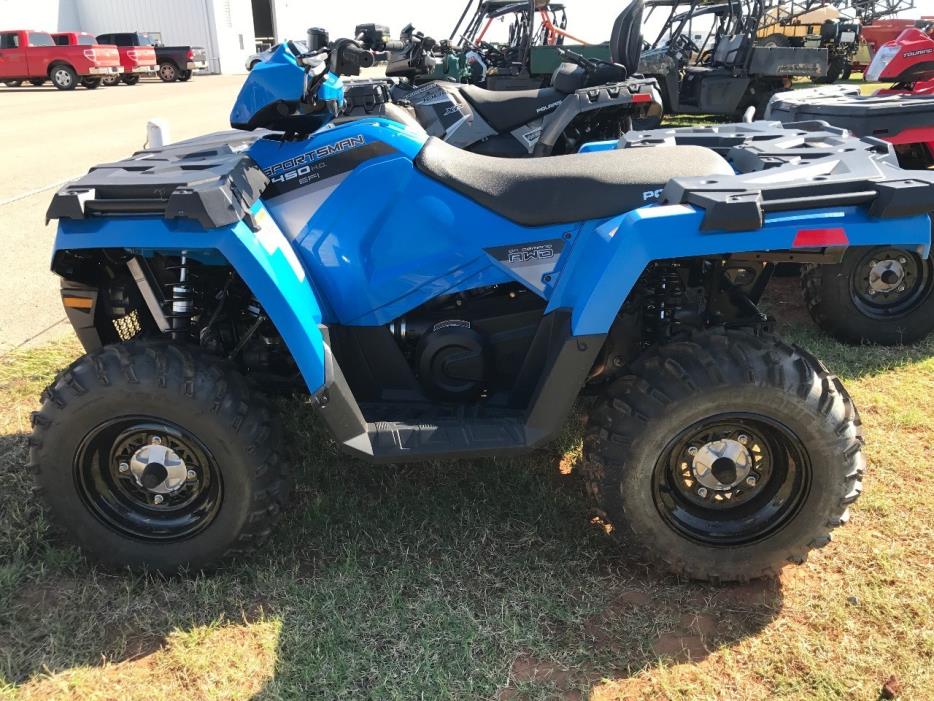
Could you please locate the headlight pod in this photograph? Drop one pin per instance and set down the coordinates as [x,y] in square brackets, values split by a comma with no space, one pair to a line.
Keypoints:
[880,61]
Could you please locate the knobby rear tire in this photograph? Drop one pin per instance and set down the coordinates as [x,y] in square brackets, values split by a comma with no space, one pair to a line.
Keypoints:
[679,384]
[832,303]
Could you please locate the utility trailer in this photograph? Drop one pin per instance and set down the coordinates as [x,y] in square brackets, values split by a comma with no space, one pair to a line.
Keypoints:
[815,24]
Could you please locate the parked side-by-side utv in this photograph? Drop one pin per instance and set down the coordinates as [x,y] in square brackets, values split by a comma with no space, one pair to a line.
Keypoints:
[727,72]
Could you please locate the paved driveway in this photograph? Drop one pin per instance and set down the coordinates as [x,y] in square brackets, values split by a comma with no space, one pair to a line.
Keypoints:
[48,136]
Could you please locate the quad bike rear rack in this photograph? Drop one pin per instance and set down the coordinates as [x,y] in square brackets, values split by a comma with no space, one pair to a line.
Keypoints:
[879,116]
[809,165]
[209,179]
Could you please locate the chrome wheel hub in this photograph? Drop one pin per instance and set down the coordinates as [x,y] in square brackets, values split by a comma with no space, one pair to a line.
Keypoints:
[721,465]
[886,276]
[158,469]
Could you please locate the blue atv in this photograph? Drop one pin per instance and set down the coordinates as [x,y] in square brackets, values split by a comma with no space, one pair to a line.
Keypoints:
[439,304]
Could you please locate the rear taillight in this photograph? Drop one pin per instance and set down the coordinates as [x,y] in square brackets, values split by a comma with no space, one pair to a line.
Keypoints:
[90,55]
[191,55]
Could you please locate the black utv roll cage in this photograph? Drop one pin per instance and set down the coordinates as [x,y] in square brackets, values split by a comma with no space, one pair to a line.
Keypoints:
[727,20]
[731,17]
[523,34]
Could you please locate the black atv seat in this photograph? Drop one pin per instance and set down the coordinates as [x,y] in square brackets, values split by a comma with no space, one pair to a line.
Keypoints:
[566,189]
[730,50]
[508,109]
[569,77]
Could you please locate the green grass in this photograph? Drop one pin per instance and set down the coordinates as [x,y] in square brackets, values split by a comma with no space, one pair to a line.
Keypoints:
[480,579]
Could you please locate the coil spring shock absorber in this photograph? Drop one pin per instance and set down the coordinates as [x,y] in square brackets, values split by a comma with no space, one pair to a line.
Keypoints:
[180,300]
[664,301]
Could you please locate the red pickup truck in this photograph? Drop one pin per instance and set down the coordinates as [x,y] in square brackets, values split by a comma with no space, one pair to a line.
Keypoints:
[135,61]
[34,56]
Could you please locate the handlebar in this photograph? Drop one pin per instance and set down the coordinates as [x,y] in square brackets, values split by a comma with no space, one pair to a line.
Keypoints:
[347,58]
[582,61]
[293,47]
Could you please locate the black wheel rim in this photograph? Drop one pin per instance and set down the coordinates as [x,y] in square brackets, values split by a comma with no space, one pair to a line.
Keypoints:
[890,283]
[116,496]
[749,510]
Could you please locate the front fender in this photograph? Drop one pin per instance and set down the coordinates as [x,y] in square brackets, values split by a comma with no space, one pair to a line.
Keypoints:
[605,264]
[264,259]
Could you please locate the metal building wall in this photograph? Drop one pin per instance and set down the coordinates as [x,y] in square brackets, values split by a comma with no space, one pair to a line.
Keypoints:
[180,21]
[220,26]
[234,38]
[292,18]
[44,15]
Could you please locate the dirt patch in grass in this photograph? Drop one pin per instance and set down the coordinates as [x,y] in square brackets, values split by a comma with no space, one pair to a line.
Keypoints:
[481,579]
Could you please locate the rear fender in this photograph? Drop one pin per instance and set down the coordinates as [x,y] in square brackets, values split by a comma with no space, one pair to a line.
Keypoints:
[602,268]
[264,259]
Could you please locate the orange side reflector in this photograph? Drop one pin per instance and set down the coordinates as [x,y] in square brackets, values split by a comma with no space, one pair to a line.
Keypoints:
[78,302]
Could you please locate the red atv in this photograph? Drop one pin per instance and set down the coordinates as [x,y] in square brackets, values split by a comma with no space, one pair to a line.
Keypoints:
[908,62]
[878,295]
[902,114]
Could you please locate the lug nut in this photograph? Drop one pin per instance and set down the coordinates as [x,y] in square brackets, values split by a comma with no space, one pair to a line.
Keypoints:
[158,499]
[124,467]
[873,263]
[692,450]
[702,492]
[192,475]
[872,293]
[156,440]
[751,481]
[743,438]
[901,289]
[902,260]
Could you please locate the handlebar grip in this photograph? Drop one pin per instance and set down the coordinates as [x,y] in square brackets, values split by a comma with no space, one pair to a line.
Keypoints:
[361,57]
